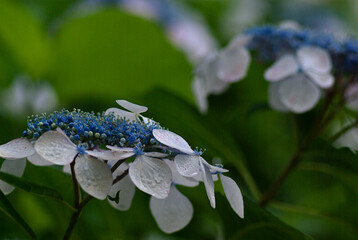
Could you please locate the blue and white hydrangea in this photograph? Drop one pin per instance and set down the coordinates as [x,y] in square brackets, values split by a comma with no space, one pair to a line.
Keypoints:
[305,65]
[111,153]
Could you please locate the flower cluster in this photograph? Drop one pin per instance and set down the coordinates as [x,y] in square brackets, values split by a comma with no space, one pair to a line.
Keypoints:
[113,152]
[304,63]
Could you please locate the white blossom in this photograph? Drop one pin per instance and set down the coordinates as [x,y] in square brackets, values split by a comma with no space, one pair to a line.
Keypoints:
[296,80]
[189,164]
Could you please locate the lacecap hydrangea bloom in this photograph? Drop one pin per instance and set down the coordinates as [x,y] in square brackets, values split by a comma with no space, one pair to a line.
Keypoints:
[112,152]
[304,64]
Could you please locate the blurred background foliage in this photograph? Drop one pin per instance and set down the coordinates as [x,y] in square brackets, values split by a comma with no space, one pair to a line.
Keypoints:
[94,52]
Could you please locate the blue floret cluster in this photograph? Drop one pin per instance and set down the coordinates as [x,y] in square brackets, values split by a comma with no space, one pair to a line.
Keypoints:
[270,42]
[89,130]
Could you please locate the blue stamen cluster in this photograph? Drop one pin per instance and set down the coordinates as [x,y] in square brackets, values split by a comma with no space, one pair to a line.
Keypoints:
[88,130]
[270,42]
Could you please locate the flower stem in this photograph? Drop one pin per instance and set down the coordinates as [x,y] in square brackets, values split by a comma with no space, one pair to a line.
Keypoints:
[125,173]
[320,124]
[77,204]
[75,185]
[75,216]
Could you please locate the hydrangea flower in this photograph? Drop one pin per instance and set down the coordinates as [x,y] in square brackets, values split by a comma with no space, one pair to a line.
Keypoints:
[111,153]
[296,79]
[190,164]
[218,69]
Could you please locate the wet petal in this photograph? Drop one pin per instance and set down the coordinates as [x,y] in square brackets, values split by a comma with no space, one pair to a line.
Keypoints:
[187,165]
[172,140]
[233,195]
[209,183]
[172,213]
[214,169]
[109,155]
[298,93]
[121,114]
[56,147]
[121,194]
[285,66]
[15,167]
[38,160]
[131,106]
[151,175]
[17,148]
[94,176]
[321,79]
[233,64]
[314,58]
[275,97]
[179,179]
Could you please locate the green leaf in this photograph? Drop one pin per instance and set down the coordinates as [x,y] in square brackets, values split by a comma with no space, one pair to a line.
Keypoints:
[23,38]
[7,208]
[112,54]
[33,188]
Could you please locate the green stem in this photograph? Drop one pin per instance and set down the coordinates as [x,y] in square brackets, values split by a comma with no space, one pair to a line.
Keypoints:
[321,123]
[78,205]
[75,216]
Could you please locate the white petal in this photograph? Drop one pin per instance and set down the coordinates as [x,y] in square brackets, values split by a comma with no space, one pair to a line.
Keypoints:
[285,66]
[179,179]
[200,94]
[240,41]
[125,190]
[151,175]
[214,169]
[187,165]
[156,154]
[121,114]
[56,147]
[233,195]
[298,93]
[148,120]
[94,176]
[15,167]
[172,140]
[37,160]
[17,148]
[321,79]
[233,64]
[207,71]
[67,169]
[209,184]
[131,106]
[172,213]
[275,97]
[314,58]
[109,155]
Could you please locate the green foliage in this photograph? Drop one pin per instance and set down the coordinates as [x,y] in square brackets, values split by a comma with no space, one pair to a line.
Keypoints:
[7,208]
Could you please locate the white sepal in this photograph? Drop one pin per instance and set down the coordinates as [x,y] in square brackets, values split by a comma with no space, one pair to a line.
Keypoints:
[17,148]
[172,213]
[15,167]
[94,176]
[233,195]
[56,147]
[172,140]
[151,175]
